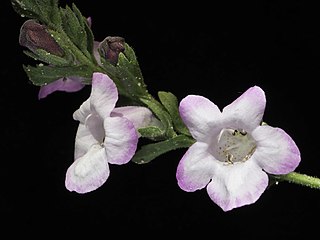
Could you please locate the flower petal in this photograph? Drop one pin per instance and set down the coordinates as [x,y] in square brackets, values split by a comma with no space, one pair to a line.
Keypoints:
[139,116]
[246,112]
[88,172]
[84,141]
[95,125]
[236,185]
[83,112]
[276,152]
[104,94]
[199,113]
[195,169]
[62,84]
[121,140]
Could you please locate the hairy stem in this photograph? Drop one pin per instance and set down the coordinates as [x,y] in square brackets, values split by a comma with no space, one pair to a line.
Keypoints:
[298,178]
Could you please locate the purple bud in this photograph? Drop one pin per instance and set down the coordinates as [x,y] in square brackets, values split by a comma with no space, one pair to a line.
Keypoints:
[35,36]
[111,47]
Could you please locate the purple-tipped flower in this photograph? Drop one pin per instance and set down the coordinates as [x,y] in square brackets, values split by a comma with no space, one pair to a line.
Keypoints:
[106,135]
[233,152]
[69,84]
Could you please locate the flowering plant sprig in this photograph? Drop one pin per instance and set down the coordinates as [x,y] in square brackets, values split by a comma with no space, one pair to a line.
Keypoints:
[231,152]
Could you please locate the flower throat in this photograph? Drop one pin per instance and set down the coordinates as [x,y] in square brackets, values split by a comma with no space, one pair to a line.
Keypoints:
[235,146]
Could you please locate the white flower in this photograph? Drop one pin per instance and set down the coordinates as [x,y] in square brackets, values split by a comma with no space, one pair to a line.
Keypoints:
[233,151]
[105,135]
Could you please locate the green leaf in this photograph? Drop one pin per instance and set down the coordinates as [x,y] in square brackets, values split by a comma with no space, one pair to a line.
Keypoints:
[170,102]
[149,152]
[47,57]
[65,43]
[162,115]
[73,27]
[46,11]
[130,78]
[130,55]
[42,75]
[152,132]
[88,32]
[133,65]
[128,75]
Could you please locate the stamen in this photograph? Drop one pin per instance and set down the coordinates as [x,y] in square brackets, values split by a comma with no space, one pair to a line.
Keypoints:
[229,158]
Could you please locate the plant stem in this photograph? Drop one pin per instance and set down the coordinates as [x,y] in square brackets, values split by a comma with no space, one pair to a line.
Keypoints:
[298,178]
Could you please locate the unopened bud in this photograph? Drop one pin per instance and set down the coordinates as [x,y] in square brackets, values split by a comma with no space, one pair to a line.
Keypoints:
[111,47]
[35,36]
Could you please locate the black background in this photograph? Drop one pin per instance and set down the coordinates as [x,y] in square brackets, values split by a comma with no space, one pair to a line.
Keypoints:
[214,50]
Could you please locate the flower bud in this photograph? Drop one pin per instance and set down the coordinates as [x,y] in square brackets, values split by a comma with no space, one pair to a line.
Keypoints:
[110,48]
[35,36]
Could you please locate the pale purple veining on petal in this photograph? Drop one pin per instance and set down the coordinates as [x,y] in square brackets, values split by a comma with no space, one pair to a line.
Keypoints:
[231,185]
[62,84]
